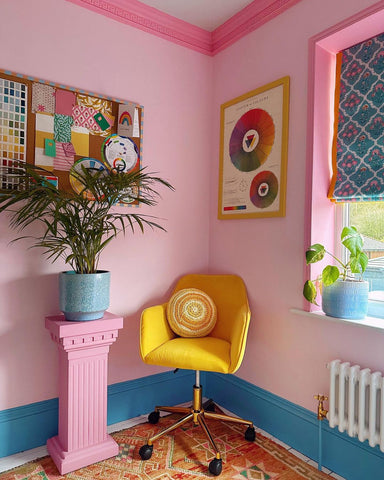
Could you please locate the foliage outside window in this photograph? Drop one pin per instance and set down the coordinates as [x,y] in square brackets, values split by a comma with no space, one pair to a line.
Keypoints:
[368,217]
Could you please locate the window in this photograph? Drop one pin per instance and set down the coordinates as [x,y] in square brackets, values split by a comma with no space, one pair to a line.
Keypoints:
[368,218]
[320,212]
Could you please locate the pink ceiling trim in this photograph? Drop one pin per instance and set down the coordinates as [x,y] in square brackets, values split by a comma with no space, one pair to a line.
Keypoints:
[247,20]
[151,20]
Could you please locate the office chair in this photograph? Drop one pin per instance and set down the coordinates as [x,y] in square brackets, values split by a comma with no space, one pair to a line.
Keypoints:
[221,350]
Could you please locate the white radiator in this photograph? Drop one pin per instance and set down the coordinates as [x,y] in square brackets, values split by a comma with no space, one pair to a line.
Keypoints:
[356,402]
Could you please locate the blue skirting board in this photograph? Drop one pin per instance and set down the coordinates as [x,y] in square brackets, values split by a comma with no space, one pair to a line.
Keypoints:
[29,426]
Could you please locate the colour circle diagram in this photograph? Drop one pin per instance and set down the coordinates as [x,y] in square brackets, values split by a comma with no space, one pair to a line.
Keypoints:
[120,153]
[76,171]
[264,189]
[251,140]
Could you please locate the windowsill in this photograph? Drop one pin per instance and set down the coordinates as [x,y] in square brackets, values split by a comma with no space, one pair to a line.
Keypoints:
[370,322]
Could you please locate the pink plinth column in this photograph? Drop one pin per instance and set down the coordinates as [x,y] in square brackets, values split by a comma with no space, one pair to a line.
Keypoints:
[83,361]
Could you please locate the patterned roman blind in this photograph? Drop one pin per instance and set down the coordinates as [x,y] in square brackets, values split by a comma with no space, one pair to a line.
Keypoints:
[358,147]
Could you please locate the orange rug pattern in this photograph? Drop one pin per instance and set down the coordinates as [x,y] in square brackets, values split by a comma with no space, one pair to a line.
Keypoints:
[183,455]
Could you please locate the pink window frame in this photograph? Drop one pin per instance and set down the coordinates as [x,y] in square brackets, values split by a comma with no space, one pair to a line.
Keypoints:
[320,218]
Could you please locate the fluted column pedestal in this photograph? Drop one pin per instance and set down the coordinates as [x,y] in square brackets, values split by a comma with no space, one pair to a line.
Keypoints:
[83,367]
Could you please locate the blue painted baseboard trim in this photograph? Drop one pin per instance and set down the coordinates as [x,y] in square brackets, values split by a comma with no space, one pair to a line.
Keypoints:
[137,397]
[297,427]
[29,426]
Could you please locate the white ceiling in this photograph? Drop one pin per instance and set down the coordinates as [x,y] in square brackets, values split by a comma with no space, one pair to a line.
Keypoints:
[206,14]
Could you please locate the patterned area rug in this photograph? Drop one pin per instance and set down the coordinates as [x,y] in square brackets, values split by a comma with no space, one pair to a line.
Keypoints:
[182,455]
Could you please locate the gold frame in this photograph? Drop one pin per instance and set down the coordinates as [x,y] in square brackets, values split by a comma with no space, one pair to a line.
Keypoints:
[272,101]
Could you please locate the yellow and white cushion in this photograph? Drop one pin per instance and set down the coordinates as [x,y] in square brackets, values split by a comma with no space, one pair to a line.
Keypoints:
[191,313]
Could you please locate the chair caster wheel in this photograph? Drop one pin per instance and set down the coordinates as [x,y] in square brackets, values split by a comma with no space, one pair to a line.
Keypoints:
[215,466]
[250,434]
[145,452]
[153,417]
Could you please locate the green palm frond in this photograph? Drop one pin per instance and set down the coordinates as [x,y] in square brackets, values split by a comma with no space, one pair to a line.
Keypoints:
[76,228]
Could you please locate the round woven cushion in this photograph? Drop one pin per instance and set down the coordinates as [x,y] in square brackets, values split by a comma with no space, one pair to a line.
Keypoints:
[191,313]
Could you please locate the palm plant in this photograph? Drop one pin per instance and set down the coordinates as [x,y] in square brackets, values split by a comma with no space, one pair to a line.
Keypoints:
[77,226]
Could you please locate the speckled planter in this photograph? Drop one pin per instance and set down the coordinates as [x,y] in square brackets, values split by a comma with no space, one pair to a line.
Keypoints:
[346,299]
[84,297]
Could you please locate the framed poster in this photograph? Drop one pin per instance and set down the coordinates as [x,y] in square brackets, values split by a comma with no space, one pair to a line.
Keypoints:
[62,129]
[253,153]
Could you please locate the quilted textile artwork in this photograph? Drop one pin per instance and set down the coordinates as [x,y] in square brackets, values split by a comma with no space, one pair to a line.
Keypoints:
[183,456]
[191,313]
[360,136]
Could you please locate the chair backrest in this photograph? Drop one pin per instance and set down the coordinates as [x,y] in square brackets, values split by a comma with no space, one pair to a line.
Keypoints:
[233,314]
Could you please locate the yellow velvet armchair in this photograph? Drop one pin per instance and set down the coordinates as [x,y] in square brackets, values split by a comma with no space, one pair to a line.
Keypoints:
[221,351]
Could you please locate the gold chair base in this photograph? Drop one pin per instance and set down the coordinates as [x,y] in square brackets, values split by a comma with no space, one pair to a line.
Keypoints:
[198,413]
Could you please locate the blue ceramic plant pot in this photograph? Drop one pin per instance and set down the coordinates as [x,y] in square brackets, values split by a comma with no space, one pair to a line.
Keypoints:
[346,299]
[84,297]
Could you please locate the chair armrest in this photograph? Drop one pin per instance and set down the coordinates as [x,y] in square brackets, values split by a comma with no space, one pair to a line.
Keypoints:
[154,329]
[239,338]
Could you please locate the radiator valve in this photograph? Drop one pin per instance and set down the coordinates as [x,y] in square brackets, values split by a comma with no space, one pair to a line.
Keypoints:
[321,412]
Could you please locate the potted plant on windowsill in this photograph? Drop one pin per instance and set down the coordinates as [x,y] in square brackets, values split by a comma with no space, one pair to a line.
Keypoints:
[344,292]
[78,225]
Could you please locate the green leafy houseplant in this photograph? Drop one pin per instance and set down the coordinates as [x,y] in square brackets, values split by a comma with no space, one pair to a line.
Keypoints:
[77,226]
[356,263]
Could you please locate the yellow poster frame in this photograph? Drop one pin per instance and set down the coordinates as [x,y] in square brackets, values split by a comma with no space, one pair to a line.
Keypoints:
[258,96]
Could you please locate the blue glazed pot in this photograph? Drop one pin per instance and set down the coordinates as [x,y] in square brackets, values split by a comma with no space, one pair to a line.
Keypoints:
[346,299]
[85,296]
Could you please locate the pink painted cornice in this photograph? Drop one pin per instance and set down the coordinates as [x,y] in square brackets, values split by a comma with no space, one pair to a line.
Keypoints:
[247,20]
[151,20]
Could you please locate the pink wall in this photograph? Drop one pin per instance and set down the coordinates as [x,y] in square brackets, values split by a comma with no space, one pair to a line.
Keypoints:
[61,42]
[181,91]
[286,353]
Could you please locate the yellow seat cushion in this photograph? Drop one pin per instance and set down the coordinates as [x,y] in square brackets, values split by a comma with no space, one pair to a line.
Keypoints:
[191,313]
[204,353]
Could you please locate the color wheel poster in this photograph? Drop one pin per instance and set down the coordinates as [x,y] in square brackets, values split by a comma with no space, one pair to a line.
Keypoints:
[253,153]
